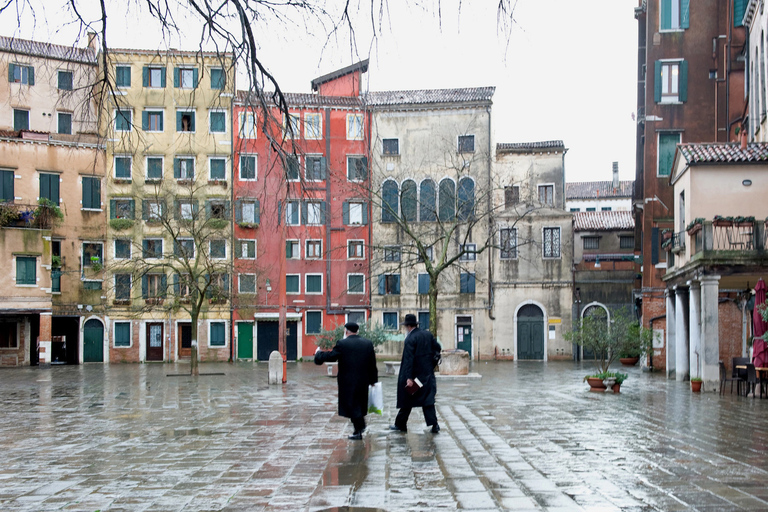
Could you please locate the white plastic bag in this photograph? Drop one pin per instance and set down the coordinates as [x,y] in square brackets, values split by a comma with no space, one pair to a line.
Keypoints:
[375,399]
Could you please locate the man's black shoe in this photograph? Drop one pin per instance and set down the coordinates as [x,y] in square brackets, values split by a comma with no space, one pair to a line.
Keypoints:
[435,429]
[397,429]
[357,436]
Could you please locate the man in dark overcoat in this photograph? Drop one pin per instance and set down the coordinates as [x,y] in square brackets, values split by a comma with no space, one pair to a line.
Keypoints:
[421,351]
[357,370]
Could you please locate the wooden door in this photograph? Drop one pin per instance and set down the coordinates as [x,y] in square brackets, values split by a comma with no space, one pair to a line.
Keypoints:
[530,333]
[93,341]
[155,342]
[464,334]
[266,339]
[291,342]
[245,340]
[185,341]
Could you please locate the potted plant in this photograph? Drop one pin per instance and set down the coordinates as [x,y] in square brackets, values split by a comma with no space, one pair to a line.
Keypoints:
[327,339]
[666,234]
[744,222]
[720,221]
[696,384]
[620,377]
[46,213]
[695,226]
[607,341]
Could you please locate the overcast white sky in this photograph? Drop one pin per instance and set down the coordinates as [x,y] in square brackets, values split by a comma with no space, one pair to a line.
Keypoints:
[566,70]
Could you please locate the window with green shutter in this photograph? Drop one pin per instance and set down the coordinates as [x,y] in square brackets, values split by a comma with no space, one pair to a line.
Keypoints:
[218,121]
[667,146]
[292,283]
[49,187]
[122,334]
[355,283]
[247,167]
[390,322]
[65,80]
[64,123]
[122,286]
[314,321]
[123,120]
[467,282]
[153,76]
[123,167]
[20,119]
[152,120]
[674,14]
[390,207]
[292,167]
[447,198]
[6,186]
[423,284]
[154,167]
[20,74]
[26,270]
[217,168]
[185,120]
[739,9]
[314,283]
[91,193]
[218,78]
[123,76]
[408,200]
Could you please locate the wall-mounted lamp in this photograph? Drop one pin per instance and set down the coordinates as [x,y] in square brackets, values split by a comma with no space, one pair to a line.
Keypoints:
[269,286]
[746,183]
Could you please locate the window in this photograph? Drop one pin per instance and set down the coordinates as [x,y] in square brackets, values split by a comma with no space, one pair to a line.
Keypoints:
[217,249]
[447,210]
[186,78]
[314,249]
[123,119]
[152,120]
[217,168]
[551,243]
[185,120]
[218,78]
[21,74]
[20,119]
[424,320]
[392,253]
[153,76]
[218,286]
[184,168]
[8,331]
[218,334]
[423,284]
[218,121]
[313,126]
[123,76]
[547,195]
[575,210]
[466,143]
[247,283]
[626,242]
[671,81]
[314,321]
[355,127]
[357,168]
[65,80]
[122,333]
[355,283]
[354,213]
[292,283]
[508,243]
[591,242]
[294,123]
[469,252]
[315,168]
[6,186]
[292,251]
[154,167]
[123,167]
[292,167]
[356,316]
[313,283]
[390,207]
[184,248]
[466,282]
[246,249]
[64,123]
[389,284]
[91,193]
[667,146]
[466,199]
[390,321]
[217,209]
[427,250]
[511,196]
[355,249]
[314,213]
[408,200]
[247,122]
[122,286]
[247,167]
[26,270]
[122,249]
[390,147]
[605,209]
[121,208]
[49,187]
[152,248]
[674,14]
[292,213]
[92,254]
[591,209]
[427,201]
[248,211]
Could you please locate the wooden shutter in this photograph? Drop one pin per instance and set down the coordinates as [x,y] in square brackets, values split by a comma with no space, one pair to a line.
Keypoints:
[256,212]
[112,209]
[382,284]
[178,121]
[323,167]
[345,213]
[176,80]
[657,81]
[145,120]
[144,287]
[145,76]
[87,193]
[11,69]
[685,14]
[6,186]
[323,212]
[654,246]
[682,81]
[396,284]
[31,76]
[45,186]
[238,210]
[423,284]
[365,214]
[144,209]
[162,77]
[666,14]
[195,75]
[304,212]
[177,168]
[132,207]
[176,287]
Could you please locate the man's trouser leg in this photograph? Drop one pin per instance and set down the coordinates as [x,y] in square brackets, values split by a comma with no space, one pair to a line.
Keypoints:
[430,416]
[358,423]
[401,421]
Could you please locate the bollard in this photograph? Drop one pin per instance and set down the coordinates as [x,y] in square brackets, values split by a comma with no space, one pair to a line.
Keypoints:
[275,368]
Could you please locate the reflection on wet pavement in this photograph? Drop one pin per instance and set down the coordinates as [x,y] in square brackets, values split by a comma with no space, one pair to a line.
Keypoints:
[527,436]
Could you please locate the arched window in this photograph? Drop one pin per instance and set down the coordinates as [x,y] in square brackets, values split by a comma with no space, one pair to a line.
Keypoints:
[428,201]
[389,201]
[447,210]
[408,200]
[466,193]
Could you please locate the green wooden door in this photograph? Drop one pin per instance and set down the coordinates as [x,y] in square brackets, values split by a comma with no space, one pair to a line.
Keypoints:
[530,333]
[245,340]
[464,334]
[93,341]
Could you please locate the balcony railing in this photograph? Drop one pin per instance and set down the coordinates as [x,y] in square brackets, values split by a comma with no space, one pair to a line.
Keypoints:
[14,215]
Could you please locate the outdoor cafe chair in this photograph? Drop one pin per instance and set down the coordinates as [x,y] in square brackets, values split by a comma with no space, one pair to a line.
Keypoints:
[752,381]
[724,379]
[739,373]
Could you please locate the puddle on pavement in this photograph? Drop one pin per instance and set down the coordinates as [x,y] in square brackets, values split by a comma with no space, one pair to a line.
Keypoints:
[181,432]
[352,509]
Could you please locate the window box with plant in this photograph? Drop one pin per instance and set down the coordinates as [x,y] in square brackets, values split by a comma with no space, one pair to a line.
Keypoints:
[47,213]
[120,224]
[695,226]
[744,222]
[666,234]
[720,221]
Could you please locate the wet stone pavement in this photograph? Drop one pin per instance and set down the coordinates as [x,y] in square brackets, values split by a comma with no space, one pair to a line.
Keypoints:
[527,436]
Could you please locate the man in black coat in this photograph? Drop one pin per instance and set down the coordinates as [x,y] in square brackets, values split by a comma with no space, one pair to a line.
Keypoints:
[421,353]
[357,370]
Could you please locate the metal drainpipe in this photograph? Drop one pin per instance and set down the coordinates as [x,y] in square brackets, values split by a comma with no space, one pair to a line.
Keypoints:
[232,329]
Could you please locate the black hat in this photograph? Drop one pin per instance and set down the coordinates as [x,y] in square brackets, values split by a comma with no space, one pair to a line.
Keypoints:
[410,320]
[351,327]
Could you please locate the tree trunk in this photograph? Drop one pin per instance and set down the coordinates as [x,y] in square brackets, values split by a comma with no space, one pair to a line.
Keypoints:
[433,291]
[194,370]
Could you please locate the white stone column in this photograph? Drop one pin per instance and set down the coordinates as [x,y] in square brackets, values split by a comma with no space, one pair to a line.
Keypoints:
[671,347]
[694,327]
[682,363]
[710,335]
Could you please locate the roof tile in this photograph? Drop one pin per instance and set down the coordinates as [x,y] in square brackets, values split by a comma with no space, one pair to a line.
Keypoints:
[526,147]
[430,96]
[48,50]
[598,189]
[724,152]
[603,221]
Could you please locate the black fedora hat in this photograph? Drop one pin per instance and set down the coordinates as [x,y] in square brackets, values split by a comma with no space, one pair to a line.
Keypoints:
[410,320]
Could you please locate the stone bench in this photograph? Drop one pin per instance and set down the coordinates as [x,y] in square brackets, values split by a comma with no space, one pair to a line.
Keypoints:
[454,362]
[392,367]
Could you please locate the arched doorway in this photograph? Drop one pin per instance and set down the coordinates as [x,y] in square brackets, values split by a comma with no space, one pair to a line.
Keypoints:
[530,332]
[594,310]
[93,341]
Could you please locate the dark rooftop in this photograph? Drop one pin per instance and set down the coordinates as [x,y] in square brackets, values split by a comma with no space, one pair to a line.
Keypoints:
[527,147]
[48,50]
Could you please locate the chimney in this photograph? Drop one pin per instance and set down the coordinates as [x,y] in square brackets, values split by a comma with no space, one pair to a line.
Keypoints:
[93,41]
[743,139]
[615,175]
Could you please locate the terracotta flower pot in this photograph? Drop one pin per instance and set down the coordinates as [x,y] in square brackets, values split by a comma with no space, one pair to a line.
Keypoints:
[596,384]
[629,361]
[616,387]
[696,386]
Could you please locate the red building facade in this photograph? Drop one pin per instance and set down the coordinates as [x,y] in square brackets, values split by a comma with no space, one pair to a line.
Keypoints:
[302,209]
